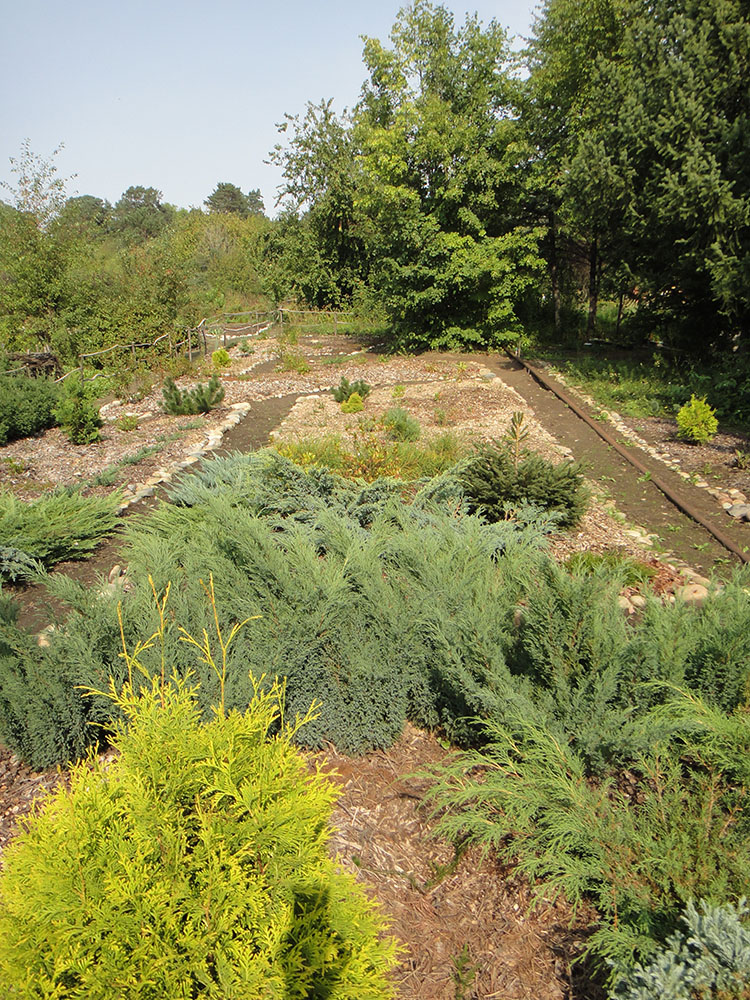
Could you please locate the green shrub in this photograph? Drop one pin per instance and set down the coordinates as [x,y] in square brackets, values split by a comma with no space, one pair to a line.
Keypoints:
[409,619]
[61,525]
[128,422]
[640,853]
[245,347]
[294,361]
[345,389]
[495,485]
[16,565]
[77,413]
[696,421]
[708,957]
[27,406]
[353,404]
[220,359]
[400,425]
[194,863]
[200,399]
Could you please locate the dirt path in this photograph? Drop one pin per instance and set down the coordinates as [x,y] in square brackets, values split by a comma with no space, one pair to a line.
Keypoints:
[632,493]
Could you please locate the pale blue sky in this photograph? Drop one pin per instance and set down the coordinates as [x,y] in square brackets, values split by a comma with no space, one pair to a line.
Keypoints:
[179,96]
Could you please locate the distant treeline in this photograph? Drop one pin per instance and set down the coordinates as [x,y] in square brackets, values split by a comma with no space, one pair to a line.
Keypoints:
[601,178]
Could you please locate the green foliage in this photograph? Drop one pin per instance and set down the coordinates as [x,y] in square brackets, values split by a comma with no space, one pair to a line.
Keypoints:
[206,868]
[128,422]
[400,425]
[27,406]
[353,404]
[696,421]
[61,525]
[640,854]
[228,198]
[200,399]
[495,485]
[294,361]
[632,572]
[408,617]
[220,359]
[708,956]
[345,388]
[77,413]
[368,458]
[17,566]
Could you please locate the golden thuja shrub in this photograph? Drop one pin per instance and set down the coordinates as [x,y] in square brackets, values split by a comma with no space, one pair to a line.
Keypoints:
[192,864]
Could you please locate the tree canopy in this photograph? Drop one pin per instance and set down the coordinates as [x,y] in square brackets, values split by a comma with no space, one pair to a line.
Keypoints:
[471,193]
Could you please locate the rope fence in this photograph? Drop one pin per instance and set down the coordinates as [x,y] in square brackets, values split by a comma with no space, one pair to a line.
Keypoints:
[219,329]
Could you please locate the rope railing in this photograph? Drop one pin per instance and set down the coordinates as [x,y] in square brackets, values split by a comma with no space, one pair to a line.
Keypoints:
[215,329]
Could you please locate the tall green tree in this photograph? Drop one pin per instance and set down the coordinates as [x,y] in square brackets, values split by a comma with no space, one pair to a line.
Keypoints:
[326,255]
[441,154]
[228,199]
[575,187]
[678,108]
[140,215]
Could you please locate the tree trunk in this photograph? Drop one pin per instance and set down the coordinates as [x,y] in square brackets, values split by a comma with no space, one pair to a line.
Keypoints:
[619,314]
[593,287]
[554,270]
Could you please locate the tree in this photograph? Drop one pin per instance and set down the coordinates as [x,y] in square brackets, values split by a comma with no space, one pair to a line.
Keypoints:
[441,155]
[140,215]
[572,177]
[677,106]
[327,257]
[229,199]
[39,192]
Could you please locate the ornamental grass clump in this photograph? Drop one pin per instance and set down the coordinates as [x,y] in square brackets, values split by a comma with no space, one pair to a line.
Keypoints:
[192,864]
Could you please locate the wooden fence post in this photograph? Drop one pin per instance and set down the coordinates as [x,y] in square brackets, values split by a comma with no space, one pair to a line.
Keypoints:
[190,344]
[80,362]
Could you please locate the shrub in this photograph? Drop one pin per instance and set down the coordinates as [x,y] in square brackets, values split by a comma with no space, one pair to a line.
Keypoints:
[640,854]
[496,485]
[245,347]
[400,425]
[194,863]
[696,421]
[77,413]
[128,422]
[294,361]
[346,388]
[409,619]
[220,359]
[27,406]
[200,399]
[708,957]
[61,525]
[353,404]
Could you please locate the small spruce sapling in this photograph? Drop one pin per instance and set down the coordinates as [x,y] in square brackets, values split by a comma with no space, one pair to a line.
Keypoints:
[345,389]
[199,399]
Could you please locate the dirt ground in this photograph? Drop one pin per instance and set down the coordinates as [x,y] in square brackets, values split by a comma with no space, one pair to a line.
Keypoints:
[467,926]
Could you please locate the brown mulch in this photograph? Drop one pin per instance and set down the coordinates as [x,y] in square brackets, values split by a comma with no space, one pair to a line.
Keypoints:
[471,913]
[466,926]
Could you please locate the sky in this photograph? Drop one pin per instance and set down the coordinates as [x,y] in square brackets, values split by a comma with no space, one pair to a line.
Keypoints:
[182,95]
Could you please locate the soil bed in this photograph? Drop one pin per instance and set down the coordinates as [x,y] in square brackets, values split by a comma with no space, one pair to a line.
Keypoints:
[467,927]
